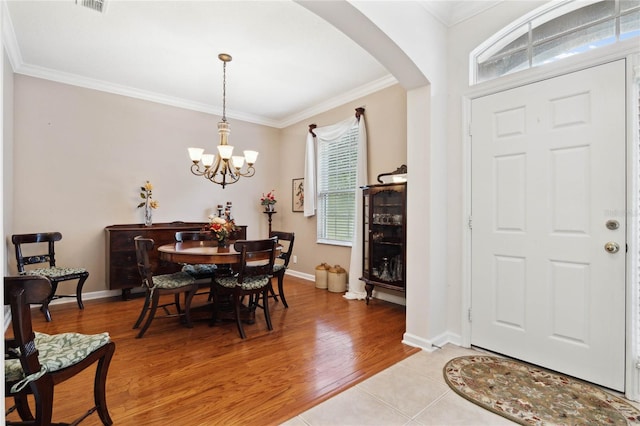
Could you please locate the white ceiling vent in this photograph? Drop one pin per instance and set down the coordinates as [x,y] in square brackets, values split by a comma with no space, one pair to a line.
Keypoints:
[97,5]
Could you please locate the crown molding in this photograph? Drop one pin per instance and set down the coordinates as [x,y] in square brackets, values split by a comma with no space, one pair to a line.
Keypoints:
[20,67]
[9,39]
[103,86]
[352,95]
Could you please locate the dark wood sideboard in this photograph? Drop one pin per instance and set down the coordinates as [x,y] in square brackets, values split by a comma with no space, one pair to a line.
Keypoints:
[121,268]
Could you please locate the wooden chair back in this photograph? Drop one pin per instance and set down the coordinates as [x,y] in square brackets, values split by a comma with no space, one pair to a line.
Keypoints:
[143,247]
[286,240]
[256,257]
[194,236]
[41,237]
[19,293]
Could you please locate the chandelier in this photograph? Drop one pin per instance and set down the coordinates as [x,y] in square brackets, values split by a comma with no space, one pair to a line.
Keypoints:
[222,168]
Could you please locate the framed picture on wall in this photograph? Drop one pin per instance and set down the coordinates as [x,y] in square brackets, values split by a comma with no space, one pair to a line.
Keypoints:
[297,195]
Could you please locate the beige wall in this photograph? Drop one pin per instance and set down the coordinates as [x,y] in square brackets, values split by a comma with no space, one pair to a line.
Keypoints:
[81,156]
[385,118]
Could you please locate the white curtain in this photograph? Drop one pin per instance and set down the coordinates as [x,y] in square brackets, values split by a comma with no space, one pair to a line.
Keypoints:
[328,133]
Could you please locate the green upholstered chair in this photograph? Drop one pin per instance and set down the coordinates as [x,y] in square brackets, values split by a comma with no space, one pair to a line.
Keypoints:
[56,274]
[198,271]
[36,362]
[252,278]
[159,285]
[204,272]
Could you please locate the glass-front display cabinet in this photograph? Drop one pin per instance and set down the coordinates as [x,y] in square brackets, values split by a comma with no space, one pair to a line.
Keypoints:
[384,236]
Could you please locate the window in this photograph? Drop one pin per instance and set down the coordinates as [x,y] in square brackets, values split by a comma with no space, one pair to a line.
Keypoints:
[336,190]
[560,30]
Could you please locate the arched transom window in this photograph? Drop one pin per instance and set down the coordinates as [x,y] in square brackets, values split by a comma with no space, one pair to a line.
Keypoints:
[554,32]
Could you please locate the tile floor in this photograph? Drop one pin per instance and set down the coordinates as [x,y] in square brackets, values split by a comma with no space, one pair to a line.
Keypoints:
[412,393]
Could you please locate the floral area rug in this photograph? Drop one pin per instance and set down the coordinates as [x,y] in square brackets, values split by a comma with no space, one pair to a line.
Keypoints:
[531,395]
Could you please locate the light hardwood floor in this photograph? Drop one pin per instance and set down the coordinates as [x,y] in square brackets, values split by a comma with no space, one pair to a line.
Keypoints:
[412,392]
[320,346]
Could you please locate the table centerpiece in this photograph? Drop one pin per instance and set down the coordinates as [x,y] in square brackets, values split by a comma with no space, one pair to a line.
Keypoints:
[221,228]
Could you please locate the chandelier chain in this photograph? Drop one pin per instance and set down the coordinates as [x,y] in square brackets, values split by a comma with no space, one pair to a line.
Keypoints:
[224,91]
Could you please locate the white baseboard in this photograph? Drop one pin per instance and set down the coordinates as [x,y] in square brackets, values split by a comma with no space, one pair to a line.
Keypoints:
[446,338]
[104,294]
[417,342]
[302,275]
[431,344]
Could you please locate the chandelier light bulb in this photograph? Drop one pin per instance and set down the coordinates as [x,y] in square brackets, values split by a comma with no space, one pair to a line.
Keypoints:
[251,157]
[195,154]
[225,151]
[237,161]
[208,159]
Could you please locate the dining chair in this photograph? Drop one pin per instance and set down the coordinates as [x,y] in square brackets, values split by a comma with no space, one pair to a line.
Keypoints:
[285,239]
[204,272]
[160,285]
[198,271]
[36,362]
[56,274]
[252,278]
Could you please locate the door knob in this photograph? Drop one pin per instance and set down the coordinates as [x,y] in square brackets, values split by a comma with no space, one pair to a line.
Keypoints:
[612,247]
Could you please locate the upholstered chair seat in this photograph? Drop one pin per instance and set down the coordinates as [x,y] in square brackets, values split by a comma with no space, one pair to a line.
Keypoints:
[199,271]
[55,272]
[249,283]
[55,352]
[170,281]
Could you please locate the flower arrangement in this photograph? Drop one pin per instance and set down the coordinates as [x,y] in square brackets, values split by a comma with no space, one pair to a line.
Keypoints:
[146,193]
[269,199]
[221,228]
[148,202]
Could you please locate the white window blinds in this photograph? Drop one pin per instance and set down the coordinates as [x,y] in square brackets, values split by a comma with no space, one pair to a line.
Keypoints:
[337,173]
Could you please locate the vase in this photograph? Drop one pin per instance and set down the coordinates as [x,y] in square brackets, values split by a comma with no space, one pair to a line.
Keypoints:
[269,208]
[148,220]
[223,243]
[385,275]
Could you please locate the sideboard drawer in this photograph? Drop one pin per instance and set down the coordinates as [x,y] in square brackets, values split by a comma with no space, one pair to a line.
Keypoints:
[123,242]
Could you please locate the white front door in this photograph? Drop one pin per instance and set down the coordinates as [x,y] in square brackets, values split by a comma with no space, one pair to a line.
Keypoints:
[548,186]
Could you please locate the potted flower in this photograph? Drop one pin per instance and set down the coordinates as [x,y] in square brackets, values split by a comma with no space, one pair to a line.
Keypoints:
[149,203]
[269,200]
[221,229]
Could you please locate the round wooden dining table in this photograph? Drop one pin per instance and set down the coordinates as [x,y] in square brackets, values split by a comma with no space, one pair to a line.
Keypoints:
[198,252]
[194,252]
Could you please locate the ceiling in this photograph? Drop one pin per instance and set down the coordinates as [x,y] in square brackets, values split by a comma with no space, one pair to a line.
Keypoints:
[288,63]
